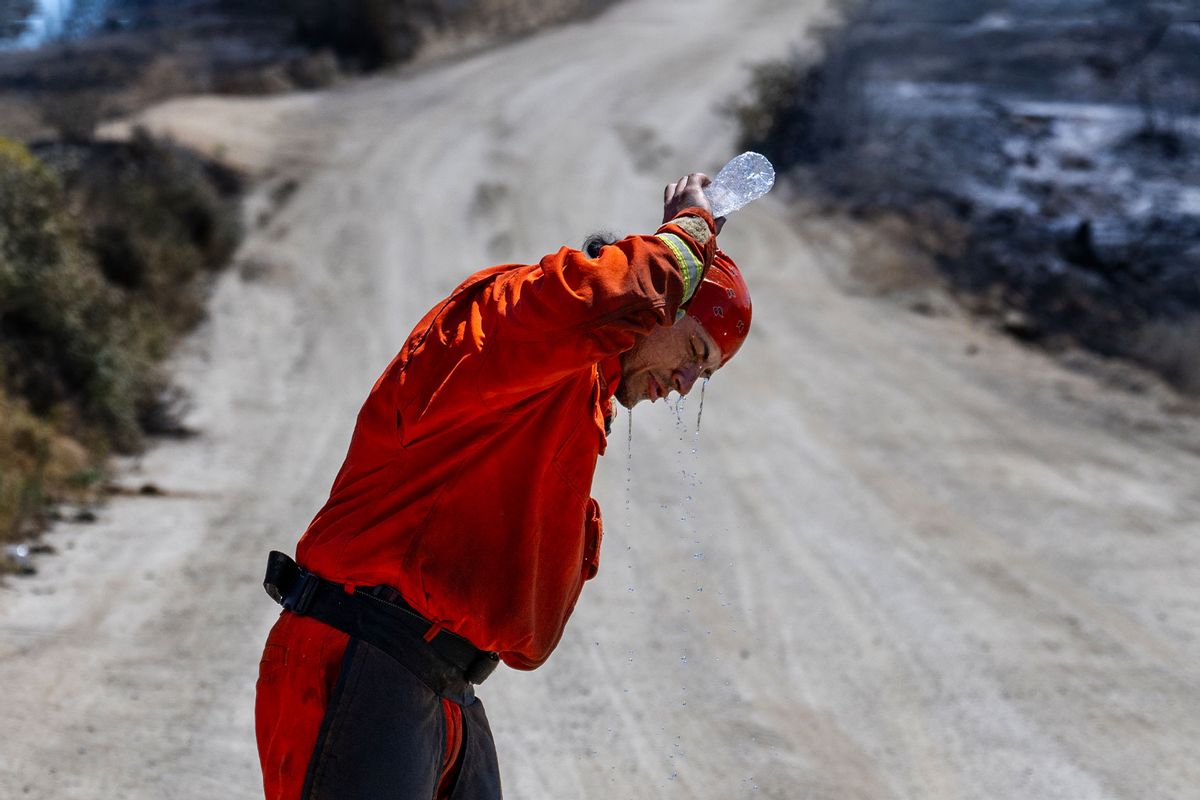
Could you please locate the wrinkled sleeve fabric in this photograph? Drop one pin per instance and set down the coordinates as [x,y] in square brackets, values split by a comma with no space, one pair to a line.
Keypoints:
[569,311]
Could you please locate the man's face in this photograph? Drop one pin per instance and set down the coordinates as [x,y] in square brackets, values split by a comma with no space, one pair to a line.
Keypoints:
[669,357]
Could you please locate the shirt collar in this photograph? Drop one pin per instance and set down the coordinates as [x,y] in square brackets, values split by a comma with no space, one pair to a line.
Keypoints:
[610,374]
[610,377]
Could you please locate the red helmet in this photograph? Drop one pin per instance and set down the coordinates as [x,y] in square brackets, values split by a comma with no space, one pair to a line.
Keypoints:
[722,305]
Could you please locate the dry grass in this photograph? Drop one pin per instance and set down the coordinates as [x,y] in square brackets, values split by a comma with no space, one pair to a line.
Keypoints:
[39,465]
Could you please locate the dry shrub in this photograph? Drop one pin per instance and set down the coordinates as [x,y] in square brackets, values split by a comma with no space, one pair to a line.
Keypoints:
[157,216]
[369,33]
[255,80]
[798,111]
[73,115]
[512,17]
[1172,348]
[315,70]
[163,78]
[777,117]
[38,466]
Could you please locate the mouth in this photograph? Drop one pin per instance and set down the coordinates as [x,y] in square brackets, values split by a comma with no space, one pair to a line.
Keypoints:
[654,389]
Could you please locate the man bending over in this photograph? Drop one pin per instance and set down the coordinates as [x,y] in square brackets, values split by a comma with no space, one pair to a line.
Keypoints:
[460,530]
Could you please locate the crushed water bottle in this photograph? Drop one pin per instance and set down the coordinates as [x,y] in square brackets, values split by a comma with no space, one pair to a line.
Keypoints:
[740,182]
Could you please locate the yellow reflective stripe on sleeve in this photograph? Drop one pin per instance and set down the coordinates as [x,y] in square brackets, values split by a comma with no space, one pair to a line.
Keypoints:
[690,266]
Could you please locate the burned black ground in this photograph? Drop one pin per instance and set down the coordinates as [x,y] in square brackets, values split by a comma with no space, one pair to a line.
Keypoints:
[1062,144]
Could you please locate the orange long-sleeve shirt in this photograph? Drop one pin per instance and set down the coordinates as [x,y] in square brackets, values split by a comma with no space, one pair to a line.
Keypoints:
[466,485]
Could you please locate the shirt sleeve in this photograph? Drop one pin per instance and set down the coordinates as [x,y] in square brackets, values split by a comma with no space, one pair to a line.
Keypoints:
[569,311]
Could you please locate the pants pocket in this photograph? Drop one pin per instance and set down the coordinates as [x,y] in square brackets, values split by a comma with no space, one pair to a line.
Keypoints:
[274,658]
[382,735]
[479,776]
[593,533]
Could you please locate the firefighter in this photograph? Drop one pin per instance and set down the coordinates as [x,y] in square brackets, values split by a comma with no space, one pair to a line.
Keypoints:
[459,530]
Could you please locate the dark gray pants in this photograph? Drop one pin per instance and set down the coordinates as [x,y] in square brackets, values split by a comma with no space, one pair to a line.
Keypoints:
[384,736]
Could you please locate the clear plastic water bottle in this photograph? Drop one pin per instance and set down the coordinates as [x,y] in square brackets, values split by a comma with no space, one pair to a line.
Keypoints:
[742,181]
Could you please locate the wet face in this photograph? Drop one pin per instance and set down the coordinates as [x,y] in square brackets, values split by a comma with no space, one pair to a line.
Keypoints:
[669,358]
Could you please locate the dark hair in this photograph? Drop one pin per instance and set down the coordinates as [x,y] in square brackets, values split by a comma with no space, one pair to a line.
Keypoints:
[595,242]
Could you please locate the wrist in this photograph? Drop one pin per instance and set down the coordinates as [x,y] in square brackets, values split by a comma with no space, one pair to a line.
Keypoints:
[701,213]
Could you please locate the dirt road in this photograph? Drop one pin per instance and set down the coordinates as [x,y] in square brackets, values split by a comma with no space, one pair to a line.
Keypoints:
[907,559]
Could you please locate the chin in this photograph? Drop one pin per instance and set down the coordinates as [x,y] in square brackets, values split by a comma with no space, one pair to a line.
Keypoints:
[628,398]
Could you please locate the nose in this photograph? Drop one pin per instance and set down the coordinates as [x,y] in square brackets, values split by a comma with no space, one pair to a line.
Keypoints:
[684,379]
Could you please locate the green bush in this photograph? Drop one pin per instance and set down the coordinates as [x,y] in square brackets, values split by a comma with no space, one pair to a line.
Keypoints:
[101,253]
[60,322]
[99,272]
[157,219]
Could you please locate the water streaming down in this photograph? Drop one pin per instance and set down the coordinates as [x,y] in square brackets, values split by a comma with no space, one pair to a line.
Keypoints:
[681,426]
[629,495]
[629,469]
[694,477]
[678,408]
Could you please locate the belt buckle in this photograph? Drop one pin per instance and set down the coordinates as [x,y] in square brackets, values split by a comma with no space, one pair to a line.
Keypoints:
[288,583]
[300,597]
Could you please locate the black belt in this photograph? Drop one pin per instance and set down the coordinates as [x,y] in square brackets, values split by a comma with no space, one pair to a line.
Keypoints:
[445,662]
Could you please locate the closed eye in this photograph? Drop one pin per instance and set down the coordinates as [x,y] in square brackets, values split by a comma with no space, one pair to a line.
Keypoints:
[701,352]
